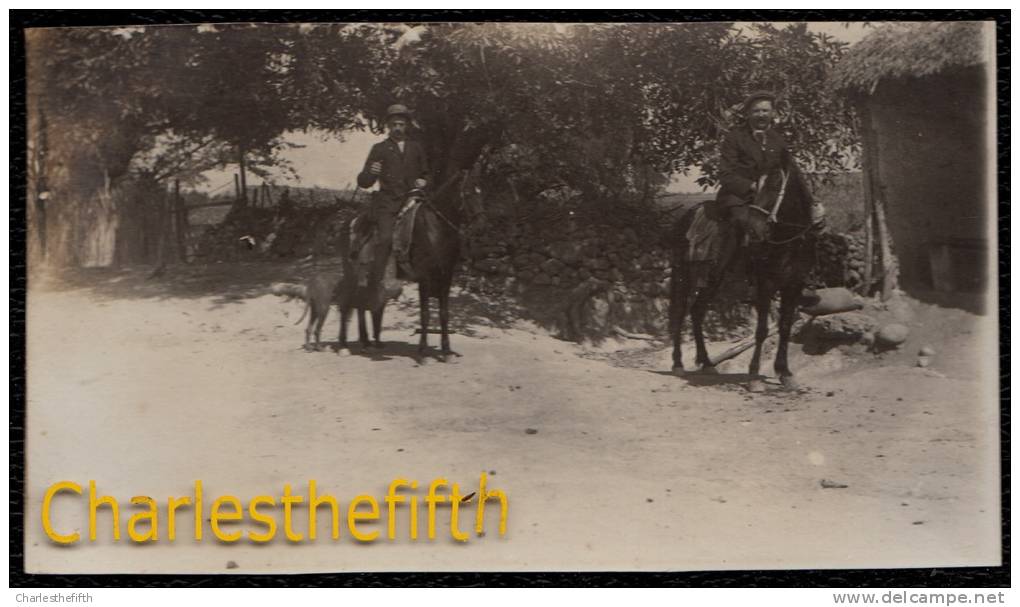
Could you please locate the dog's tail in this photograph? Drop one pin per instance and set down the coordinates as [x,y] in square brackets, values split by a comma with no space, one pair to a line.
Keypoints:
[292,291]
[308,305]
[289,290]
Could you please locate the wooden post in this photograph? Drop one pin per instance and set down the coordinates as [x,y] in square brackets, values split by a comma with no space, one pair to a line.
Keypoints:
[870,179]
[180,223]
[888,263]
[237,187]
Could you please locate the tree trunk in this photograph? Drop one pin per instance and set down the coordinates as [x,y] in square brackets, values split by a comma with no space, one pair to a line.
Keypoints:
[180,223]
[97,240]
[243,199]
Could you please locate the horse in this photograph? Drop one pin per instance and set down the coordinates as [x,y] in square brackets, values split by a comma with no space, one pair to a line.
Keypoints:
[434,253]
[780,252]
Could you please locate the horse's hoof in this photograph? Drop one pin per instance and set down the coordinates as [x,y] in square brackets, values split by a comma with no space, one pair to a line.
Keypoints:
[441,358]
[343,352]
[790,382]
[708,370]
[679,371]
[756,385]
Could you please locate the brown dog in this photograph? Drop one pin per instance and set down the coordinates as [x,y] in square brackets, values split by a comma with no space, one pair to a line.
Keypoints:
[319,293]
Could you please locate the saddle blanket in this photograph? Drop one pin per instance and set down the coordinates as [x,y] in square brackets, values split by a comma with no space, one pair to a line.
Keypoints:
[704,237]
[403,229]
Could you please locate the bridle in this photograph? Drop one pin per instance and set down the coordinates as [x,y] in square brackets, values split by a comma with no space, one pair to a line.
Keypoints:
[772,216]
[427,201]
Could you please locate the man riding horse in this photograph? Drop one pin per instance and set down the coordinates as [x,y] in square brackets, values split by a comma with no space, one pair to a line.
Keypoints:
[399,165]
[748,153]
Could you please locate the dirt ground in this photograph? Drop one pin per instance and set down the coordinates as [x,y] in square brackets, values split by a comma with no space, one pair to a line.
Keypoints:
[608,461]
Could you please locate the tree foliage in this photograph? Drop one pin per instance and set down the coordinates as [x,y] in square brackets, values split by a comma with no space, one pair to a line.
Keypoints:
[604,111]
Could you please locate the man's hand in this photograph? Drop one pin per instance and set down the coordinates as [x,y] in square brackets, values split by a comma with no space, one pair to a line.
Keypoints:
[419,183]
[376,168]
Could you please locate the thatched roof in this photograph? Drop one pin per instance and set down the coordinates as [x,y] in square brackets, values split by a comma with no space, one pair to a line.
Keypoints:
[910,50]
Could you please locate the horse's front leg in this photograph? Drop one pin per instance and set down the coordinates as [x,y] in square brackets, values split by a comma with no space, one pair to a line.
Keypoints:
[423,308]
[345,316]
[377,317]
[444,324]
[679,294]
[787,314]
[762,305]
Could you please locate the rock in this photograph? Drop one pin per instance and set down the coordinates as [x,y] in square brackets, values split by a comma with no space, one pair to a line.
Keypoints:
[596,315]
[892,335]
[488,265]
[923,361]
[926,351]
[566,251]
[847,326]
[553,267]
[831,301]
[530,431]
[827,484]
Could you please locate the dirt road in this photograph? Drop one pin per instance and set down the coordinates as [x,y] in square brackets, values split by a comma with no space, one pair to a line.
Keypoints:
[609,463]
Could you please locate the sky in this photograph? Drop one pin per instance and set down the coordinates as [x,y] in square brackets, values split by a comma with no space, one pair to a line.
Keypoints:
[329,162]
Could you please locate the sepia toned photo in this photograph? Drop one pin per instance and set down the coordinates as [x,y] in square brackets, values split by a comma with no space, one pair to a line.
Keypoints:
[450,296]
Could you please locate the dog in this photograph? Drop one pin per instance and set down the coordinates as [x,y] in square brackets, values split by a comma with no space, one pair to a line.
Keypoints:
[321,292]
[318,293]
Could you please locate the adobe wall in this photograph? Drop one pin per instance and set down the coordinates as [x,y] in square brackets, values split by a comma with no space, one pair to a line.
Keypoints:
[931,152]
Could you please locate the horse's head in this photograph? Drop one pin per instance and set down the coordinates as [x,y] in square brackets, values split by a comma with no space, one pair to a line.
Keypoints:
[782,205]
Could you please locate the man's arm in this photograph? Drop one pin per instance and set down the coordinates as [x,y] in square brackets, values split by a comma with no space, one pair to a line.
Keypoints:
[729,165]
[366,178]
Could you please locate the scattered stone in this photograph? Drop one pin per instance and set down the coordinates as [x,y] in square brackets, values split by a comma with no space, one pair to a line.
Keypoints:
[530,431]
[827,484]
[231,565]
[926,351]
[845,326]
[923,361]
[892,335]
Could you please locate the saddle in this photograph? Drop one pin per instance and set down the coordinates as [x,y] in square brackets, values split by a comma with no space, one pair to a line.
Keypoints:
[362,254]
[704,235]
[403,232]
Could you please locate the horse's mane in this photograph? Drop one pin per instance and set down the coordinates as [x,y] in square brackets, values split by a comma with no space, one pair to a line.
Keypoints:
[795,207]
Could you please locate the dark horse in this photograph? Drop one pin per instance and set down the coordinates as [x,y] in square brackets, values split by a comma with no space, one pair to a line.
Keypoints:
[780,252]
[434,253]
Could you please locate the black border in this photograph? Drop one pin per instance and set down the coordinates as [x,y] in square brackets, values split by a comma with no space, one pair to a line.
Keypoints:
[983,577]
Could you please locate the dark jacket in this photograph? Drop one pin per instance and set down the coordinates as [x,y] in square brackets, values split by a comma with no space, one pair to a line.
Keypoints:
[399,170]
[743,160]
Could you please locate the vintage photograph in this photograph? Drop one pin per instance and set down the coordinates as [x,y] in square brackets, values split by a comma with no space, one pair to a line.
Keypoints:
[461,296]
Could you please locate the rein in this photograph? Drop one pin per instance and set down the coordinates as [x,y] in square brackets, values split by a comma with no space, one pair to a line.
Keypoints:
[774,213]
[427,201]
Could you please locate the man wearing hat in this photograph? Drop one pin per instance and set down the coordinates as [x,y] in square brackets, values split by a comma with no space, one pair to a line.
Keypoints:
[398,165]
[747,153]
